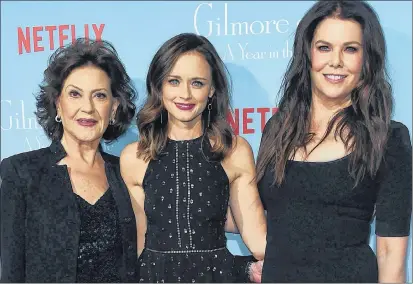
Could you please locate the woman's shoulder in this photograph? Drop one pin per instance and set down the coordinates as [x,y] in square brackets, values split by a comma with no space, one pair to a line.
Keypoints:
[240,153]
[129,154]
[26,158]
[399,136]
[129,158]
[399,129]
[398,150]
[24,164]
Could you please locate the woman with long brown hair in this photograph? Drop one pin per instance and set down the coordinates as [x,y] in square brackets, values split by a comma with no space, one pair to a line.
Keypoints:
[331,158]
[187,167]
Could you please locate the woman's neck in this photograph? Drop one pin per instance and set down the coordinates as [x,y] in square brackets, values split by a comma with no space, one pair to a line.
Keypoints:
[322,111]
[178,130]
[80,150]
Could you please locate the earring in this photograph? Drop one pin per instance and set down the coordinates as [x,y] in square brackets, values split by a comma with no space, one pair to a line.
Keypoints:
[209,113]
[161,117]
[112,119]
[58,119]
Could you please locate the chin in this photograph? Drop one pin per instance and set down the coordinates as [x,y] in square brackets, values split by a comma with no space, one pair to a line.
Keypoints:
[89,137]
[185,118]
[335,94]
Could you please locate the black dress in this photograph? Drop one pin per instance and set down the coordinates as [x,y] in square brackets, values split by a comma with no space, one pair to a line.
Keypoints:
[100,245]
[319,225]
[186,200]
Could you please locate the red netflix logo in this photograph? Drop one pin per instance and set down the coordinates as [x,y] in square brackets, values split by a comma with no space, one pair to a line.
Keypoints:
[248,118]
[38,38]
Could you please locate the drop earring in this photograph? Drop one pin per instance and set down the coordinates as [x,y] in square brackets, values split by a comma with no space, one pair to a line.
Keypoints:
[209,113]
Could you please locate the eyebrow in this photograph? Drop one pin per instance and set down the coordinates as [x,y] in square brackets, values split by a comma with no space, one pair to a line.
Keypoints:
[194,78]
[93,91]
[346,43]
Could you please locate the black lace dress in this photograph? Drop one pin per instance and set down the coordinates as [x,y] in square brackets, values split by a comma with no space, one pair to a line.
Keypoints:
[100,243]
[186,203]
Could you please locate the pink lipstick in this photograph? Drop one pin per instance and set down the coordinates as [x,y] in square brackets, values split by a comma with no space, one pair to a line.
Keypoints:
[185,106]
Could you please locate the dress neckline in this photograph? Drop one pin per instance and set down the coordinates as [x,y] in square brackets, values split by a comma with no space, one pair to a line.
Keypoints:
[186,140]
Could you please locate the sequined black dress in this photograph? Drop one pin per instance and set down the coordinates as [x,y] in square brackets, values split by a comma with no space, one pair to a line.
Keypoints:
[100,244]
[186,203]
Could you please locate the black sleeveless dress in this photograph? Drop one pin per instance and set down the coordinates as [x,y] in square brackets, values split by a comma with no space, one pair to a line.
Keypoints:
[186,200]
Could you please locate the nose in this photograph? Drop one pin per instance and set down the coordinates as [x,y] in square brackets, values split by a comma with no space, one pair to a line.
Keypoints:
[186,92]
[88,105]
[336,60]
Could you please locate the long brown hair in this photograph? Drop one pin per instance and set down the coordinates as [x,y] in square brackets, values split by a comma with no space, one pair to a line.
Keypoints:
[152,118]
[363,126]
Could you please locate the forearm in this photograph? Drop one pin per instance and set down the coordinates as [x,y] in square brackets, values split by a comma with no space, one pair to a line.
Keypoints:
[252,224]
[253,229]
[254,232]
[256,244]
[391,269]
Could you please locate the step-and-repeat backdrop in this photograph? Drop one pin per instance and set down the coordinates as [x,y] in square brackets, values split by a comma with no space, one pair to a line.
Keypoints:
[254,39]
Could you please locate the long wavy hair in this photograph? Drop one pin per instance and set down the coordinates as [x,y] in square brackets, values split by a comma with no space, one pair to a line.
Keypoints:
[152,118]
[363,126]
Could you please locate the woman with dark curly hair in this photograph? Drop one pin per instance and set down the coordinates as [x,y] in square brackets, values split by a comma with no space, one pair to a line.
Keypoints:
[66,215]
[331,159]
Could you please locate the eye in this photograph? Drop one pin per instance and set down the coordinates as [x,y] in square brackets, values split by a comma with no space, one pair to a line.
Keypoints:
[351,49]
[173,82]
[101,95]
[198,84]
[74,94]
[323,48]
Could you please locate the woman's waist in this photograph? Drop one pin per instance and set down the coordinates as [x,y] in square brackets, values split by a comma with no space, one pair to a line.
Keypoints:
[179,250]
[310,251]
[317,242]
[326,233]
[172,241]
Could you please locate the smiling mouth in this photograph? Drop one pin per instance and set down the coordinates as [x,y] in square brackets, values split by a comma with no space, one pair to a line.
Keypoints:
[184,106]
[333,78]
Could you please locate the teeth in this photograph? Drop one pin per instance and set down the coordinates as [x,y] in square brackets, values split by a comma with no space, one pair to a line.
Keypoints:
[335,77]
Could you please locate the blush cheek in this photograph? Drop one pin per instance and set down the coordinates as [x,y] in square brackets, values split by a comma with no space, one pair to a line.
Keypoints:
[318,61]
[354,62]
[356,67]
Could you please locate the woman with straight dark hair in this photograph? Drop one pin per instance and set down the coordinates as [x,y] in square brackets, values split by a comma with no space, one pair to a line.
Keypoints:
[66,215]
[187,167]
[331,158]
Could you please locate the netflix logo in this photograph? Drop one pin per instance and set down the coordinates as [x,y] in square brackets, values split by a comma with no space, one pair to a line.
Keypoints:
[241,119]
[41,38]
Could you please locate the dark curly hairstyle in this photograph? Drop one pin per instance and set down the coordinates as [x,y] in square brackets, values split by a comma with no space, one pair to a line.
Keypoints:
[62,62]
